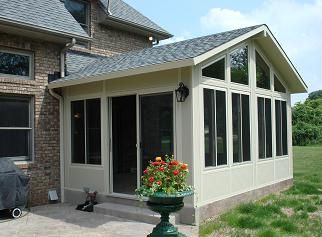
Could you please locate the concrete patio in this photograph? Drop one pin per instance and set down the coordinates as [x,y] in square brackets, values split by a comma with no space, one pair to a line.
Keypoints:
[63,220]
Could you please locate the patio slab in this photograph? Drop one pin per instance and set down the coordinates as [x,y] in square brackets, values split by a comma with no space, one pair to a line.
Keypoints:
[62,220]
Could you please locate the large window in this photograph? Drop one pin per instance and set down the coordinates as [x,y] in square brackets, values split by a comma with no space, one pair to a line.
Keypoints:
[15,128]
[16,64]
[264,127]
[262,73]
[80,11]
[278,86]
[215,70]
[281,128]
[215,127]
[86,131]
[241,127]
[239,65]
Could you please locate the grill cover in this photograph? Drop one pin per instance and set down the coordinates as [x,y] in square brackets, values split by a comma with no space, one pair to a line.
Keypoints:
[14,185]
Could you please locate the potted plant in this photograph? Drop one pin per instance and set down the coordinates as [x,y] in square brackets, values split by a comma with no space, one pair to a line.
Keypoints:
[164,182]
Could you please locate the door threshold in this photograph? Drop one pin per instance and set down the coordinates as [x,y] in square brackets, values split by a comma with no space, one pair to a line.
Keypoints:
[125,196]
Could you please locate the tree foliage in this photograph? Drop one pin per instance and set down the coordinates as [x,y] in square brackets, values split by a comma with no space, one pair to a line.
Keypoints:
[307,122]
[315,95]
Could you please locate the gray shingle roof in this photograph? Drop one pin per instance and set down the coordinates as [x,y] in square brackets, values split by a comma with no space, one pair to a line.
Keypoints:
[76,60]
[50,15]
[121,10]
[157,55]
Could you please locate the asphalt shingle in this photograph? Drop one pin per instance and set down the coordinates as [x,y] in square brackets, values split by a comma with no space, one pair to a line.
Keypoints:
[47,14]
[125,12]
[157,55]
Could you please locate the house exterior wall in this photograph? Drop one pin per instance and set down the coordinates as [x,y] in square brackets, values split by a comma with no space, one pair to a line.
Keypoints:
[107,40]
[237,181]
[97,177]
[43,168]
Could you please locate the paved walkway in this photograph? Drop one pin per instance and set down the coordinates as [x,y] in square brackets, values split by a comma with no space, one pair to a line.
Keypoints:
[58,220]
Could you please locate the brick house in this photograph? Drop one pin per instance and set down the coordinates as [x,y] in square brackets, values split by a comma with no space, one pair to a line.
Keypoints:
[88,102]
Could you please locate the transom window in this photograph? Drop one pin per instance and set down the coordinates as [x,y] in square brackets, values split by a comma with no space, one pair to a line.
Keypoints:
[262,73]
[15,128]
[278,86]
[239,65]
[241,127]
[15,63]
[215,127]
[264,127]
[86,131]
[215,70]
[80,11]
[281,128]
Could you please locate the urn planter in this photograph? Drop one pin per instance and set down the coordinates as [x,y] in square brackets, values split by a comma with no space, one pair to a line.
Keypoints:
[164,204]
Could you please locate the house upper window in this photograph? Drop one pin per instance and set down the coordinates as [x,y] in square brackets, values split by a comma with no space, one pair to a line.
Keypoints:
[80,11]
[264,119]
[281,128]
[215,70]
[15,128]
[16,63]
[86,131]
[262,73]
[239,65]
[241,127]
[215,127]
[278,86]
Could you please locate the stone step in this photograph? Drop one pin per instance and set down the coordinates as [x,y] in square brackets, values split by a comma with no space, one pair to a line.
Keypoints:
[135,213]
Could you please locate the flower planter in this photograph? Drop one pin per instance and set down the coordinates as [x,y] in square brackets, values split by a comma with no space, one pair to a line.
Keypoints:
[165,204]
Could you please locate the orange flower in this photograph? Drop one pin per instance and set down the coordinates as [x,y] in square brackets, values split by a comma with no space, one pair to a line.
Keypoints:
[174,162]
[184,166]
[176,172]
[158,158]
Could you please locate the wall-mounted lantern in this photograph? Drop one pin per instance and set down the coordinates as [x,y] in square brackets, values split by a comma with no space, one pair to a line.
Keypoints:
[182,92]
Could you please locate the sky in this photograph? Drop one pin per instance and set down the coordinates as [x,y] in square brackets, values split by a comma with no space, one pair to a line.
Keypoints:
[297,25]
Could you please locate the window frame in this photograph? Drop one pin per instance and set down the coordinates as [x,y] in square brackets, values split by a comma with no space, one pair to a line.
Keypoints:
[85,131]
[215,88]
[249,94]
[287,127]
[228,53]
[279,78]
[270,68]
[31,129]
[22,53]
[272,127]
[212,62]
[88,15]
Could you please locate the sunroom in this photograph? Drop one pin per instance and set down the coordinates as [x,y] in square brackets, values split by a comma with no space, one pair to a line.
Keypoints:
[233,127]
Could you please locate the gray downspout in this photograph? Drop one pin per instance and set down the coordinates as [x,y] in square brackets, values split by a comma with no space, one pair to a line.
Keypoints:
[61,120]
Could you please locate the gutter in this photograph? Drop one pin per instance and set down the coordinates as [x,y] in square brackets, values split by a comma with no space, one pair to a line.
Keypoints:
[61,120]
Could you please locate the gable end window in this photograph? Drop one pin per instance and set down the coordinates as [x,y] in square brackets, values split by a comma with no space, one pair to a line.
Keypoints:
[278,86]
[16,128]
[80,11]
[262,73]
[241,127]
[281,128]
[16,63]
[264,128]
[239,65]
[215,70]
[86,131]
[215,127]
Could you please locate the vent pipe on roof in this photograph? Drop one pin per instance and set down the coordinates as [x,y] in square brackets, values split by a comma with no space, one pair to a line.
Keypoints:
[108,7]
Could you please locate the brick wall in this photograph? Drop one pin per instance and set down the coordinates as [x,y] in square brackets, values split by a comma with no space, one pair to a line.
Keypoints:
[44,168]
[108,40]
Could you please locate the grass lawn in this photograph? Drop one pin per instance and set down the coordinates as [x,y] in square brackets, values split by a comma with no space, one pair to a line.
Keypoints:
[294,212]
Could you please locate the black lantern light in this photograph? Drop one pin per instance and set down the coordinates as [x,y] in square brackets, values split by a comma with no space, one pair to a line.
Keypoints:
[182,92]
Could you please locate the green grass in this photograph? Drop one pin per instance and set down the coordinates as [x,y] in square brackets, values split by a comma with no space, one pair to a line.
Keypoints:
[289,213]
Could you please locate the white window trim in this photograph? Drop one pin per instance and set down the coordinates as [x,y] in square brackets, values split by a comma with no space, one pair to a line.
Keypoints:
[23,53]
[30,158]
[205,78]
[259,51]
[287,124]
[209,168]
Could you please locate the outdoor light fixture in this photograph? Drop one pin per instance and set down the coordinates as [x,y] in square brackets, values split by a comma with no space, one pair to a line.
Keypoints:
[182,92]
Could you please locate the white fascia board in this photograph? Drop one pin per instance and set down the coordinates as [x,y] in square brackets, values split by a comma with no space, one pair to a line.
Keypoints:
[229,44]
[130,72]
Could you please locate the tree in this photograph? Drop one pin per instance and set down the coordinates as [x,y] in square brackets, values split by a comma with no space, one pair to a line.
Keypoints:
[315,95]
[307,122]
